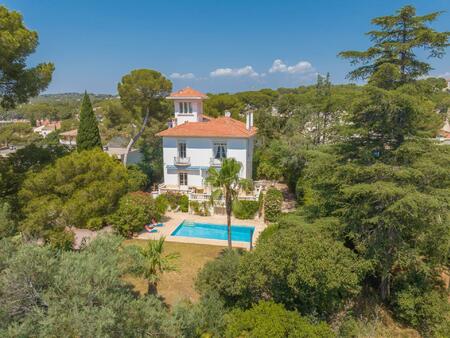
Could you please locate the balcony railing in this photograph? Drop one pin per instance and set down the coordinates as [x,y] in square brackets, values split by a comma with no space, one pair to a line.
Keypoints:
[177,160]
[215,162]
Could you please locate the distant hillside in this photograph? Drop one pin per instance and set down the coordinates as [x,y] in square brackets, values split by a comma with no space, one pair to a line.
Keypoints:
[68,97]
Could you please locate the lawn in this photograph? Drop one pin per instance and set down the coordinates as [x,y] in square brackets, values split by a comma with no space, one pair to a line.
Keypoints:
[178,285]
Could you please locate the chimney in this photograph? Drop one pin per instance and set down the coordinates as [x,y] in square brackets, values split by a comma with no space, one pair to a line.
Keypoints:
[247,121]
[227,114]
[251,120]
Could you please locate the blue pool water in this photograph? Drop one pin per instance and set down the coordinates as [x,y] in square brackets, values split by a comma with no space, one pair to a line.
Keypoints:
[214,231]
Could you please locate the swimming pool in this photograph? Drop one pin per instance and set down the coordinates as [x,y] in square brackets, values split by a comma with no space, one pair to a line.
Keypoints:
[214,231]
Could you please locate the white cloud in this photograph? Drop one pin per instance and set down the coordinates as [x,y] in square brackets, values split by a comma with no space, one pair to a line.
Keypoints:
[279,66]
[182,76]
[234,72]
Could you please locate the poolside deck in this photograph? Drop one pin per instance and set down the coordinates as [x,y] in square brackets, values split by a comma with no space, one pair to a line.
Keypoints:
[174,219]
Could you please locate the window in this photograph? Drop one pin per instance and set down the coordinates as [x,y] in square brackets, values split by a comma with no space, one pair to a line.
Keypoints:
[183,178]
[185,107]
[220,151]
[182,150]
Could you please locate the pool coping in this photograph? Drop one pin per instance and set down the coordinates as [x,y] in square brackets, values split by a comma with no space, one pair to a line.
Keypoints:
[241,244]
[175,219]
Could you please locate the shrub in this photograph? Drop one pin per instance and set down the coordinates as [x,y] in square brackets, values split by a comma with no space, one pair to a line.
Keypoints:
[267,319]
[260,204]
[272,204]
[220,276]
[268,232]
[245,209]
[184,203]
[162,204]
[427,311]
[201,209]
[96,223]
[304,270]
[135,210]
[137,179]
[174,199]
[61,239]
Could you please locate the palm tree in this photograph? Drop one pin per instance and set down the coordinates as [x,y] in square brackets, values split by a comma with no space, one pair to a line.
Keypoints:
[151,262]
[227,184]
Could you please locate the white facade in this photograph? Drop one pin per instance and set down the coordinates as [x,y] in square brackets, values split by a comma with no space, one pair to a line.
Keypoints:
[199,155]
[188,158]
[188,110]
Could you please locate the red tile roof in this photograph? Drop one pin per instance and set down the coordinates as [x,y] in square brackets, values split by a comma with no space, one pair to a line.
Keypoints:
[187,92]
[219,127]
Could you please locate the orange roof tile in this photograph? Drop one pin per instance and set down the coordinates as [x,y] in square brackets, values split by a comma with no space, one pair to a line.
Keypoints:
[219,127]
[187,92]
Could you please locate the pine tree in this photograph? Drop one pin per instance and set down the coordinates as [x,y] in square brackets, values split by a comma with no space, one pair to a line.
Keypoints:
[394,46]
[88,134]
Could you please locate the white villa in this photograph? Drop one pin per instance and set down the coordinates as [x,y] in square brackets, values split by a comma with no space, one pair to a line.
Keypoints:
[195,142]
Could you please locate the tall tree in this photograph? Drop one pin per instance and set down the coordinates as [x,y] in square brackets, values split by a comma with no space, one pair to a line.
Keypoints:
[228,184]
[17,82]
[395,44]
[141,92]
[88,136]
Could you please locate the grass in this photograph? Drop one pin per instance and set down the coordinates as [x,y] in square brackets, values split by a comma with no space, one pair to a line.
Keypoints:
[178,285]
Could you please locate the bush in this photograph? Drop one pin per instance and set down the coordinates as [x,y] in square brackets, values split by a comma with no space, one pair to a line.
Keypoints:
[427,311]
[174,199]
[184,203]
[96,223]
[220,276]
[201,319]
[61,239]
[135,210]
[268,232]
[200,209]
[137,179]
[304,270]
[272,204]
[260,204]
[245,209]
[7,224]
[162,204]
[267,319]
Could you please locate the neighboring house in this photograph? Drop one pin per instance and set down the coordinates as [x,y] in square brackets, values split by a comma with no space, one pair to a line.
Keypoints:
[117,148]
[69,138]
[45,127]
[194,142]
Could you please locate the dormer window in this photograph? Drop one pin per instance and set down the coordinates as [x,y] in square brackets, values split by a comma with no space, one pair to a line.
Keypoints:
[185,107]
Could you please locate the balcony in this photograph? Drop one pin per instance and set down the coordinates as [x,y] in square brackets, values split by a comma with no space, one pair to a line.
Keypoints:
[182,161]
[215,162]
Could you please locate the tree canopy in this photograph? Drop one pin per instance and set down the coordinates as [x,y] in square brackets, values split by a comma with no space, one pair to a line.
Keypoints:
[88,136]
[17,42]
[393,54]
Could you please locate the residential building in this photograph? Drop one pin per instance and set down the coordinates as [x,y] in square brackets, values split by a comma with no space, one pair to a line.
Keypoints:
[69,138]
[195,142]
[117,148]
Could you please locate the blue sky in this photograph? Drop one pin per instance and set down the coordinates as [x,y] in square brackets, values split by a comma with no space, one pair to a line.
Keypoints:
[213,46]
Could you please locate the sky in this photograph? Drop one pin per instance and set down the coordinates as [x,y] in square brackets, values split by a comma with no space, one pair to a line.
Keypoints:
[211,45]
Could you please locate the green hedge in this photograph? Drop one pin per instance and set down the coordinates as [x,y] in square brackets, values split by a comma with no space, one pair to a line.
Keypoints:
[245,209]
[184,203]
[272,204]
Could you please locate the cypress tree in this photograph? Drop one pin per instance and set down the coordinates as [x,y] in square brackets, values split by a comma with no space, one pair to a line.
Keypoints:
[88,136]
